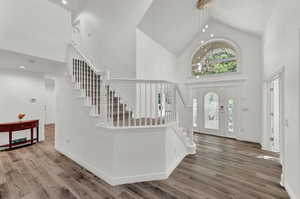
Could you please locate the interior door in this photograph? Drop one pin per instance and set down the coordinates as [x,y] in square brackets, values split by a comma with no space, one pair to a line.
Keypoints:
[274,94]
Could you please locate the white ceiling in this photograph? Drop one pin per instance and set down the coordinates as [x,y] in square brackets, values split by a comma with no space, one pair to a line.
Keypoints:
[174,23]
[248,15]
[74,6]
[13,60]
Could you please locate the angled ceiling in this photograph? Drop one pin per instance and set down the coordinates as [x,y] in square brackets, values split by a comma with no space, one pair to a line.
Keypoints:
[251,16]
[12,60]
[74,6]
[174,23]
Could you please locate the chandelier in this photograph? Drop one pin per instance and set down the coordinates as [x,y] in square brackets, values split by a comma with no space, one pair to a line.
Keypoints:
[202,4]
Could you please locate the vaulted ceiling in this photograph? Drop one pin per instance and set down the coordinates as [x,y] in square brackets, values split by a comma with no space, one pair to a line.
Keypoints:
[174,23]
[75,6]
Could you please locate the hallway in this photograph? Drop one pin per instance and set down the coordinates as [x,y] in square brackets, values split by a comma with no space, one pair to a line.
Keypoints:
[222,168]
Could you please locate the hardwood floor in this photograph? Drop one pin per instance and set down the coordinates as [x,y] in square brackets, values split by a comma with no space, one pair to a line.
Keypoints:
[221,169]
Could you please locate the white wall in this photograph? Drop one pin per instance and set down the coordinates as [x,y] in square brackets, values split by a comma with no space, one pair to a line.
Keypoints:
[153,61]
[35,27]
[116,155]
[251,74]
[50,101]
[281,48]
[17,88]
[108,34]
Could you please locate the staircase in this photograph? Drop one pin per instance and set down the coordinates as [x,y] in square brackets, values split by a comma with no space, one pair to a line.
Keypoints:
[127,103]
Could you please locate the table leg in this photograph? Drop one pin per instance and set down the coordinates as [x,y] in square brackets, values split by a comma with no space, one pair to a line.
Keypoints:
[31,130]
[37,134]
[10,140]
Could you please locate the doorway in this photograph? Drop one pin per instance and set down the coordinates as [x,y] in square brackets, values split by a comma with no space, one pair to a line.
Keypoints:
[217,111]
[274,114]
[76,33]
[275,117]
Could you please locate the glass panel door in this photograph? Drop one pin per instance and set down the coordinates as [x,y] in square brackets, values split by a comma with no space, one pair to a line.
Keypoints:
[217,111]
[230,116]
[211,111]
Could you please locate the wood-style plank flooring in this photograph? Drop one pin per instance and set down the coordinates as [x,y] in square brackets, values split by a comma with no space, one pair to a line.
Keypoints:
[221,169]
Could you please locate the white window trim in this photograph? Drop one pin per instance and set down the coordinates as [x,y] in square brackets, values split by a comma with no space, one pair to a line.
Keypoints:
[238,57]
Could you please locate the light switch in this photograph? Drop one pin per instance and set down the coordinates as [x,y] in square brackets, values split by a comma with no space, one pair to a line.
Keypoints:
[33,100]
[286,123]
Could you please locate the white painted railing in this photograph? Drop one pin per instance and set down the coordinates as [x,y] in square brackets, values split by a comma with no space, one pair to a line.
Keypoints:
[87,78]
[124,103]
[143,103]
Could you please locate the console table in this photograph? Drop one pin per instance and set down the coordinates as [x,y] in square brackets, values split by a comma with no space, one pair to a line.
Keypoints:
[10,128]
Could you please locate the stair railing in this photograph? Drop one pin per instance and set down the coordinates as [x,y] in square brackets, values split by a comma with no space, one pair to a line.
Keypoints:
[91,81]
[148,102]
[124,103]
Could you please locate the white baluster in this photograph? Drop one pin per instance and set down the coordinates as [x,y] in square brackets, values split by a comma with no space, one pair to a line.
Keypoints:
[151,101]
[79,65]
[161,103]
[84,78]
[118,113]
[112,106]
[123,114]
[129,116]
[145,100]
[73,69]
[166,103]
[93,89]
[174,103]
[156,104]
[96,94]
[140,109]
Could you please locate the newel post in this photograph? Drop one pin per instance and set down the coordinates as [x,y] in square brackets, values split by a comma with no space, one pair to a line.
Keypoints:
[104,98]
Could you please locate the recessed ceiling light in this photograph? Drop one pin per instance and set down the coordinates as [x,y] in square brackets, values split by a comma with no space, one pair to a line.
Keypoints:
[212,35]
[203,30]
[206,26]
[64,2]
[22,67]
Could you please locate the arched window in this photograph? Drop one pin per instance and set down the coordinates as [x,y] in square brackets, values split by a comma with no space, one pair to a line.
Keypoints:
[213,58]
[211,111]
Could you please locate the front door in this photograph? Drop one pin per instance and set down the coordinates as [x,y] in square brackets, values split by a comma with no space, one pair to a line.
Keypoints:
[217,111]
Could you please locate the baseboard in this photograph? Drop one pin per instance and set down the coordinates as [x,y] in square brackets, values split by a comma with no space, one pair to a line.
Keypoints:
[174,165]
[290,191]
[122,180]
[139,178]
[87,166]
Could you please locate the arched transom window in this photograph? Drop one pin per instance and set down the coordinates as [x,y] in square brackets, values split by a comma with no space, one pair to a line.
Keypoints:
[213,58]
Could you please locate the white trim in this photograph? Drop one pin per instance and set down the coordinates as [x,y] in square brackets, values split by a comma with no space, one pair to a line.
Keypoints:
[224,39]
[290,191]
[220,82]
[86,165]
[174,165]
[123,180]
[266,144]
